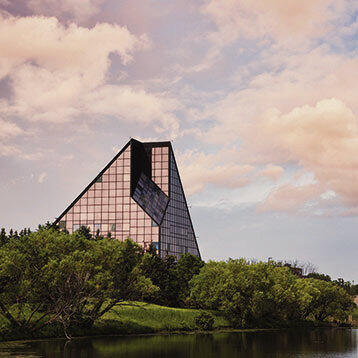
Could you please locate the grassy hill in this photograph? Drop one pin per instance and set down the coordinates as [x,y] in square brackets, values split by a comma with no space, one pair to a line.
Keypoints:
[138,317]
[129,318]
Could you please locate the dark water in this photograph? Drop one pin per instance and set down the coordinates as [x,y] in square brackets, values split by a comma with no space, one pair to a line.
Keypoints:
[327,343]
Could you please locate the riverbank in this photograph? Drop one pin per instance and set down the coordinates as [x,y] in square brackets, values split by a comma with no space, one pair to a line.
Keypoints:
[128,319]
[138,318]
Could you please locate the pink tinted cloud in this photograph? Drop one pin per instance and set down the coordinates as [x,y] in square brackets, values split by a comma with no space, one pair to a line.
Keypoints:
[79,10]
[272,172]
[59,72]
[278,19]
[289,198]
[221,169]
[9,129]
[322,139]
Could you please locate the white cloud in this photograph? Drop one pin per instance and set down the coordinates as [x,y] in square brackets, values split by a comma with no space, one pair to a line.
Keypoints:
[9,129]
[77,9]
[59,72]
[42,177]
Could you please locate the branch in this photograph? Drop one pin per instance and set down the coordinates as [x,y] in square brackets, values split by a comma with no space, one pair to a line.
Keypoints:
[32,314]
[110,306]
[8,315]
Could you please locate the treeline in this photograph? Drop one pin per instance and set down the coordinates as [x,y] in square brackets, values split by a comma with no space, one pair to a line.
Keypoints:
[49,278]
[266,294]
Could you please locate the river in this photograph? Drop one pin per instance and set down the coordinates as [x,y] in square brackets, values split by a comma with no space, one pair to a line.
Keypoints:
[294,343]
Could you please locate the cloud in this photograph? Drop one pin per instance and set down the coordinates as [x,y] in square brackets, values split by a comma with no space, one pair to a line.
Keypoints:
[199,170]
[322,139]
[80,10]
[42,177]
[9,129]
[58,73]
[277,19]
[70,50]
[289,198]
[7,150]
[127,104]
[272,172]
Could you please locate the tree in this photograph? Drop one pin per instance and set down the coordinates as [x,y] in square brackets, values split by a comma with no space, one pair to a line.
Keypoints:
[163,274]
[187,267]
[50,276]
[257,294]
[319,276]
[320,300]
[3,237]
[246,293]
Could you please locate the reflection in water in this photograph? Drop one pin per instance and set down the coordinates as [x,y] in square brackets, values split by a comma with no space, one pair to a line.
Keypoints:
[302,343]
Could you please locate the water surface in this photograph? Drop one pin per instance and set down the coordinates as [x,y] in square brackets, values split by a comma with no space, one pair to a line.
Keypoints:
[302,343]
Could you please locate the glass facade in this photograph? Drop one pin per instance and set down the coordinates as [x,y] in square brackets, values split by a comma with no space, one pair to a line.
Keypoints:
[151,198]
[156,213]
[176,232]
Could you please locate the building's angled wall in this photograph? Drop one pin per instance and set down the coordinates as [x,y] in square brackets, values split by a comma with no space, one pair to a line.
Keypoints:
[176,231]
[107,205]
[160,167]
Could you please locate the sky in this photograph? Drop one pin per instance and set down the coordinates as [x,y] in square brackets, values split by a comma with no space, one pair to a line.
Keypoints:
[259,99]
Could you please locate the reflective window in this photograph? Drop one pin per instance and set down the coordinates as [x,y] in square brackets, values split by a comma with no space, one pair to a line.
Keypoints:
[177,233]
[151,198]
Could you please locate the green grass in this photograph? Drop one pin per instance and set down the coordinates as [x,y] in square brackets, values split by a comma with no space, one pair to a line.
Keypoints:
[138,317]
[128,318]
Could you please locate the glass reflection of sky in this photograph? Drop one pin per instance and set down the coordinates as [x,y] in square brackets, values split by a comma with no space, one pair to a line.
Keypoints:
[151,198]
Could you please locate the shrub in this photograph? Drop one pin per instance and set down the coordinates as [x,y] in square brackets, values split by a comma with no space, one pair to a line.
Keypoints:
[204,321]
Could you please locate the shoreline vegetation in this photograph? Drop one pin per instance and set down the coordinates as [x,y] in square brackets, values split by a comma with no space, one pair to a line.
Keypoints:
[140,318]
[59,285]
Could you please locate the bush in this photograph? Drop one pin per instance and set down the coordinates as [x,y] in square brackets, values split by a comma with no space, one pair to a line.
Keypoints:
[204,321]
[253,294]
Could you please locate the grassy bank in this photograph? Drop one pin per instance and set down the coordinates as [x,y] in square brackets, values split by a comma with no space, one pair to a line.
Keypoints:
[144,318]
[148,318]
[129,318]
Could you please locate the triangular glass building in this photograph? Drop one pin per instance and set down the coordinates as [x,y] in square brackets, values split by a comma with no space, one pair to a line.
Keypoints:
[138,195]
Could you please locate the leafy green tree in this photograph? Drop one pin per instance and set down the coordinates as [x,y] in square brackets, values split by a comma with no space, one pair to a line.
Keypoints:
[204,321]
[319,276]
[3,237]
[50,276]
[187,267]
[85,232]
[320,300]
[254,294]
[163,274]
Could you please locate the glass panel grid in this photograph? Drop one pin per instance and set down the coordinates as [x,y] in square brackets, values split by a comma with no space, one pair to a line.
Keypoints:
[177,235]
[107,206]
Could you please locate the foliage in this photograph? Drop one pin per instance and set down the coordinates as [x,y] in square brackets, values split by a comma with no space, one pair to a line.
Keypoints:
[319,276]
[50,276]
[250,294]
[321,300]
[52,280]
[130,318]
[204,321]
[170,276]
[187,267]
